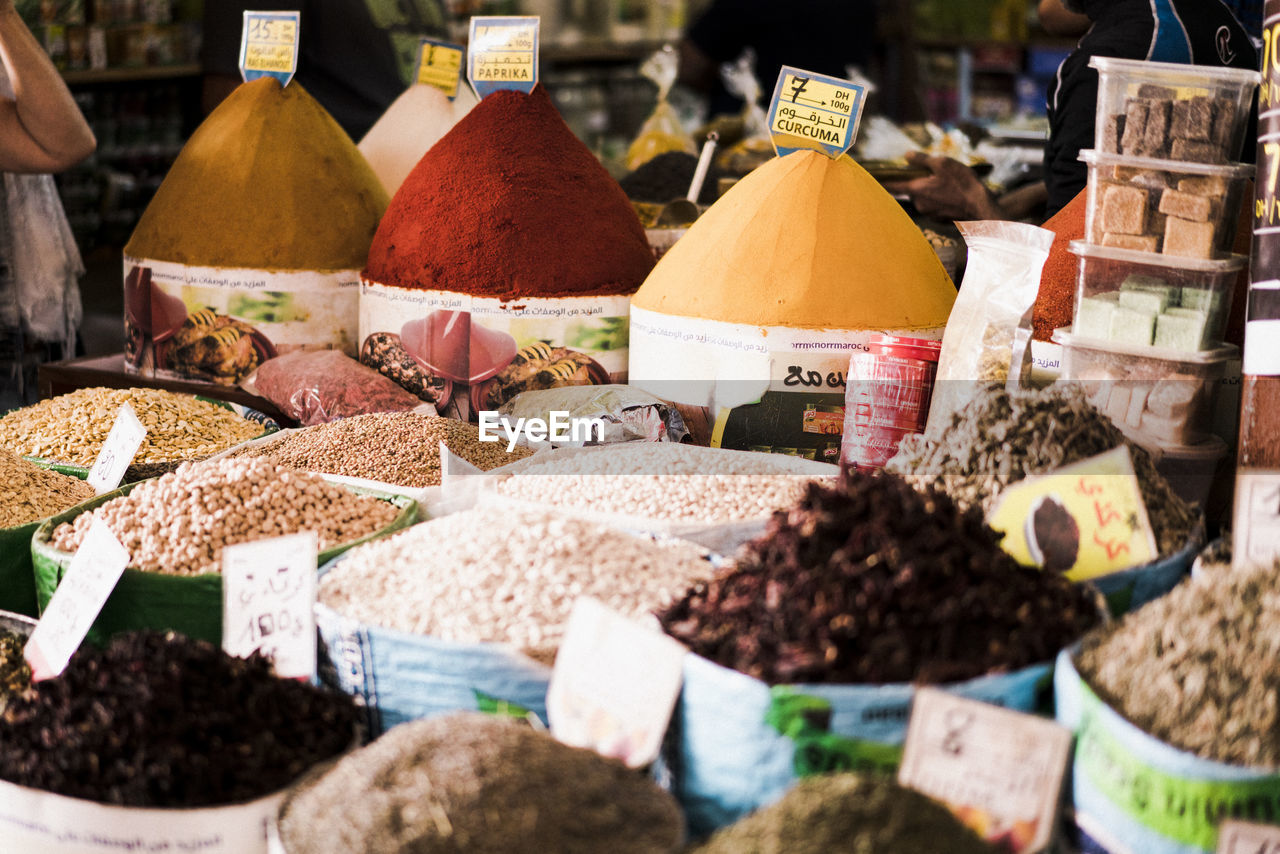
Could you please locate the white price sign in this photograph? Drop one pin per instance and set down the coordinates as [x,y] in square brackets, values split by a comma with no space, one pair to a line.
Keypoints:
[1238,837]
[126,436]
[91,576]
[614,685]
[269,594]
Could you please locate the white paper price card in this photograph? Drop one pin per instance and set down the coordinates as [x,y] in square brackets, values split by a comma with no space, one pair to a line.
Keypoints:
[1238,837]
[503,54]
[117,452]
[268,605]
[814,112]
[614,685]
[1000,771]
[90,577]
[269,46]
[1256,537]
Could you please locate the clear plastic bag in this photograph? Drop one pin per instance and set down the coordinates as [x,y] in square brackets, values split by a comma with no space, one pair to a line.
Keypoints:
[317,386]
[662,131]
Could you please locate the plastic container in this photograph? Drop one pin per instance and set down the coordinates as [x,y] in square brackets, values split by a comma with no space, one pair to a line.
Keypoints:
[1182,210]
[887,396]
[1156,396]
[1190,469]
[1171,110]
[1188,299]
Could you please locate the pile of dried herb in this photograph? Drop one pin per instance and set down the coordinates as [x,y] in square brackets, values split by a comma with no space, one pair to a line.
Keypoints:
[998,439]
[870,581]
[848,813]
[479,783]
[1197,668]
[160,720]
[15,675]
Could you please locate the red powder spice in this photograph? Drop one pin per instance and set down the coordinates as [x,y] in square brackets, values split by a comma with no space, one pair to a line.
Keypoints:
[511,204]
[1055,305]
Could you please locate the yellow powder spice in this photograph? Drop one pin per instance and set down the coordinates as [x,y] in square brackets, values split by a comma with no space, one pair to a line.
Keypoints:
[268,181]
[804,241]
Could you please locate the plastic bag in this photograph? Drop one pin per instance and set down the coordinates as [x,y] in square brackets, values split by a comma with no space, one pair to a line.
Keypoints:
[999,288]
[662,131]
[317,386]
[629,414]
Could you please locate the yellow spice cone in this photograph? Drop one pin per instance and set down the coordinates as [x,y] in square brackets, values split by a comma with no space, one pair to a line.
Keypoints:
[804,241]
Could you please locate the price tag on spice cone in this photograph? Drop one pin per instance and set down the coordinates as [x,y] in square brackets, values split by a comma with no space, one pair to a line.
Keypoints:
[1084,520]
[269,46]
[117,451]
[1238,837]
[268,606]
[440,65]
[814,112]
[91,576]
[503,54]
[999,771]
[614,685]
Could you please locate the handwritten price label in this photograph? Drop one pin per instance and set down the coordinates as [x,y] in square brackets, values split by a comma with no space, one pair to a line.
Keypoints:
[269,46]
[1000,771]
[126,436]
[1084,520]
[269,594]
[814,112]
[440,65]
[92,574]
[1256,532]
[503,54]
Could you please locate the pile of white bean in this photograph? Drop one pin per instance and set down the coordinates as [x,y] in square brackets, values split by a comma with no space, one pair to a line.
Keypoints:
[660,480]
[492,575]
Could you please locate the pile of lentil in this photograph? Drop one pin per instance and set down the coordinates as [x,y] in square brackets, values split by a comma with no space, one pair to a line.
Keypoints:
[870,581]
[71,428]
[479,783]
[502,576]
[1197,668]
[29,492]
[848,813]
[660,480]
[160,720]
[179,523]
[393,447]
[15,675]
[998,439]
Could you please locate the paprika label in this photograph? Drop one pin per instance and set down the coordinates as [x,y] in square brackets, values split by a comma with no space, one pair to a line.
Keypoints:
[269,46]
[814,112]
[503,54]
[439,65]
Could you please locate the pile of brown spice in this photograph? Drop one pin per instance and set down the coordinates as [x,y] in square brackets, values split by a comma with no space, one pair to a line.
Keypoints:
[29,492]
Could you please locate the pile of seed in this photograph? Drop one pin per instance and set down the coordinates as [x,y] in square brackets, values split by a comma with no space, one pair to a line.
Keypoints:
[72,427]
[998,439]
[179,523]
[870,581]
[491,575]
[15,675]
[479,783]
[660,480]
[29,492]
[160,720]
[1197,668]
[848,813]
[393,447]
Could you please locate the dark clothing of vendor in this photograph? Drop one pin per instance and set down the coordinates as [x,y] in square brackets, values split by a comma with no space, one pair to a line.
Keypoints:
[1199,32]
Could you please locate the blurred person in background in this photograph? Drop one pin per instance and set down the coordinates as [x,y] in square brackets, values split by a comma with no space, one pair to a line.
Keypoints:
[41,131]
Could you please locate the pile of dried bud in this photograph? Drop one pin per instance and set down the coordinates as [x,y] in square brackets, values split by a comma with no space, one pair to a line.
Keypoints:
[870,581]
[1197,668]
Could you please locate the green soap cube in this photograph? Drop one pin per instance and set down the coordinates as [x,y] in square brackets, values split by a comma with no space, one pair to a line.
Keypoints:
[1185,312]
[1209,300]
[1132,326]
[1093,316]
[1181,331]
[1135,281]
[1151,301]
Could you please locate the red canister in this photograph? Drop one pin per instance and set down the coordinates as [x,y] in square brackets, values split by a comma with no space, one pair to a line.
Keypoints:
[887,397]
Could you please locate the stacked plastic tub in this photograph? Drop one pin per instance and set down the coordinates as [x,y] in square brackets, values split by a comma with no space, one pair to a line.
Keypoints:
[1156,273]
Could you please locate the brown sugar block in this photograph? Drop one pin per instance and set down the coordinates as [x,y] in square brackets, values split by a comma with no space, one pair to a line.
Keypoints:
[1124,209]
[1113,133]
[1186,205]
[1204,185]
[1188,239]
[1196,151]
[1224,119]
[1155,136]
[1193,119]
[1134,242]
[1156,91]
[1135,126]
